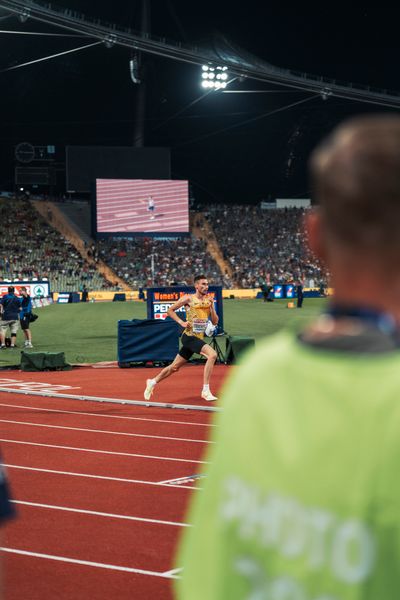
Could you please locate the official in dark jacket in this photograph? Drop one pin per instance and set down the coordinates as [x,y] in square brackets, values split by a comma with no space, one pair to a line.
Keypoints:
[10,306]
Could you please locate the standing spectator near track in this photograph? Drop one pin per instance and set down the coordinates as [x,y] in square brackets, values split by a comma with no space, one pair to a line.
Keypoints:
[302,497]
[199,308]
[299,294]
[11,306]
[25,316]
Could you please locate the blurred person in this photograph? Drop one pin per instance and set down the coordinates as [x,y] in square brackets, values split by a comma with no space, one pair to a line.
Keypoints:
[10,308]
[6,512]
[301,498]
[299,294]
[25,316]
[85,294]
[199,309]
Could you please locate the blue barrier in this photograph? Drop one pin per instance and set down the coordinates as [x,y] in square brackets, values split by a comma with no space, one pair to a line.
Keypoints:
[147,340]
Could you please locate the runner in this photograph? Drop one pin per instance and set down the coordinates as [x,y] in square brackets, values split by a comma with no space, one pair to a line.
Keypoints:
[199,308]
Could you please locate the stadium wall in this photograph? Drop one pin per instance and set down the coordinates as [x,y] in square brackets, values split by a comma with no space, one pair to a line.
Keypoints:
[106,296]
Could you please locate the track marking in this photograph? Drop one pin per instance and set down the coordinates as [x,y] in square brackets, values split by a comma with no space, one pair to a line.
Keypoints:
[36,386]
[141,435]
[99,514]
[76,412]
[104,477]
[88,563]
[116,400]
[186,460]
[182,480]
[173,571]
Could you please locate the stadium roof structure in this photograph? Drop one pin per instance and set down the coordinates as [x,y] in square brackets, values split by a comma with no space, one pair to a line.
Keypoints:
[240,63]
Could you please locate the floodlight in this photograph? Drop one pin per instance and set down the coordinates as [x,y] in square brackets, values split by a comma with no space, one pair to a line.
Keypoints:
[214,77]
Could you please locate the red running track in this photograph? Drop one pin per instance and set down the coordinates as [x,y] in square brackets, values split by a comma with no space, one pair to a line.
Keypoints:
[97,517]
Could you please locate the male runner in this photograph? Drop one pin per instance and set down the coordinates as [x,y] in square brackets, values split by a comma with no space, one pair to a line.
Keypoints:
[199,308]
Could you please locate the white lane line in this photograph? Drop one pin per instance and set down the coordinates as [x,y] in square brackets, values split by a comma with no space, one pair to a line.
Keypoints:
[89,414]
[173,572]
[98,514]
[185,460]
[141,435]
[87,563]
[182,480]
[104,477]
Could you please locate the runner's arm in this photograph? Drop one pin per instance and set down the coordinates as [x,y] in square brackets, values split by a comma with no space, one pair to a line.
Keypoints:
[171,311]
[213,314]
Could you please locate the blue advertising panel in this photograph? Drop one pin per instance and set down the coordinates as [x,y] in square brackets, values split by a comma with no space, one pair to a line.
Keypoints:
[159,299]
[290,291]
[278,291]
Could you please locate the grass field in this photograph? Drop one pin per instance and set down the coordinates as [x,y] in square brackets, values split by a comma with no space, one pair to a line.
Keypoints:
[87,333]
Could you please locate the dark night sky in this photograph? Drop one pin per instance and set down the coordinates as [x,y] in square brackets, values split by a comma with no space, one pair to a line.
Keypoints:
[88,98]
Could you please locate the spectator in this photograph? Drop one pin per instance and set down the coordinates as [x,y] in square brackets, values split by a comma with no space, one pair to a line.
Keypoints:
[6,511]
[301,498]
[10,306]
[26,316]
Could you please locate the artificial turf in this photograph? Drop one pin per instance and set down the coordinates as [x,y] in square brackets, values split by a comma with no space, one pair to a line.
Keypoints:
[87,332]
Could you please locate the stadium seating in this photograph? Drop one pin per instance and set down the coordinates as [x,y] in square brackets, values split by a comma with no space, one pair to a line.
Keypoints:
[264,244]
[31,248]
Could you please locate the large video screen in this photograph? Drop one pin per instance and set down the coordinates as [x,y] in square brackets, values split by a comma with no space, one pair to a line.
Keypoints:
[141,206]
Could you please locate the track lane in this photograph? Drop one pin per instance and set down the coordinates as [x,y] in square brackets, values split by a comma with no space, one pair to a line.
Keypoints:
[87,419]
[92,439]
[49,580]
[125,467]
[71,535]
[160,503]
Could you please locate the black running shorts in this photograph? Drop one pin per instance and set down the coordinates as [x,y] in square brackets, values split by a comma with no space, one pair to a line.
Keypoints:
[190,345]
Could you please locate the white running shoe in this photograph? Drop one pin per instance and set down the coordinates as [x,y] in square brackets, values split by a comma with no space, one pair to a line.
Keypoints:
[28,345]
[208,396]
[149,389]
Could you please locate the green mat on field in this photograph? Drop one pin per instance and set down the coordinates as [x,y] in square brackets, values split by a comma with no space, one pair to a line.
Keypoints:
[44,361]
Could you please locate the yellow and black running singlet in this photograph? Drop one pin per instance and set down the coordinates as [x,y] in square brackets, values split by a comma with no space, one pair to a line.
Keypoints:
[197,313]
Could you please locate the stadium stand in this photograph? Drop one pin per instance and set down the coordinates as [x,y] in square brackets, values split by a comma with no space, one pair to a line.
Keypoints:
[236,246]
[31,248]
[175,260]
[264,244]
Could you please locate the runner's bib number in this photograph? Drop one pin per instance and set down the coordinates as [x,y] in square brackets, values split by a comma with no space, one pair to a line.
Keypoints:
[199,325]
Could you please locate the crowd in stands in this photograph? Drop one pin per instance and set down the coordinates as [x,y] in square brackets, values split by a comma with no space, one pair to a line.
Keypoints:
[30,248]
[267,245]
[146,261]
[261,246]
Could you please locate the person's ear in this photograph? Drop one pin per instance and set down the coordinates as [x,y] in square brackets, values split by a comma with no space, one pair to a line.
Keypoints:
[315,234]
